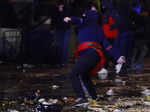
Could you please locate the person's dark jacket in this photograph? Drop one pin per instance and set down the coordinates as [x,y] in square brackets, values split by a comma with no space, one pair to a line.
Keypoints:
[90,30]
[58,19]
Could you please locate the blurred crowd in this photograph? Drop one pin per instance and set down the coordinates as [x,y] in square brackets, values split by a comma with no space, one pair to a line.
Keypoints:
[125,24]
[109,33]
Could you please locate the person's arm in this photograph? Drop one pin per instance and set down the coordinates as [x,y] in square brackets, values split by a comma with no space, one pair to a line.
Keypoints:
[114,52]
[76,20]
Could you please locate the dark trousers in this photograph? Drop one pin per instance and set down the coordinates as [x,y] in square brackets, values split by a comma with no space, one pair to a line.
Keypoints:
[139,52]
[25,48]
[81,69]
[62,41]
[125,44]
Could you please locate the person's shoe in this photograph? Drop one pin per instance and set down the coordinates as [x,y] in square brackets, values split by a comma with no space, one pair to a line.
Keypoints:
[93,103]
[81,102]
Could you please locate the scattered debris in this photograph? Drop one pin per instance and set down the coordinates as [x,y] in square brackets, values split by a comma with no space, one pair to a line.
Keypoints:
[9,110]
[71,100]
[36,96]
[48,108]
[103,74]
[147,103]
[96,109]
[52,101]
[118,81]
[93,103]
[65,99]
[54,87]
[118,68]
[117,110]
[110,92]
[146,94]
[39,98]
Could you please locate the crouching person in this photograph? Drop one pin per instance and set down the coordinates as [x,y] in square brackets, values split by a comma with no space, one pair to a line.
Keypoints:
[89,55]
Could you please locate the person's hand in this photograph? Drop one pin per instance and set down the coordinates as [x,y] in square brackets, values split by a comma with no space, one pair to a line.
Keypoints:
[67,19]
[121,60]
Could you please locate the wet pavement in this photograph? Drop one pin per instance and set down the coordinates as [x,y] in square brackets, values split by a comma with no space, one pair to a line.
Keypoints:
[18,90]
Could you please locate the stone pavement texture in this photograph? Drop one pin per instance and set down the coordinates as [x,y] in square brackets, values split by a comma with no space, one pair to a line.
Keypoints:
[18,88]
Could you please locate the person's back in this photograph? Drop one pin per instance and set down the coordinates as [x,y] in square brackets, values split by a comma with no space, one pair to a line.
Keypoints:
[90,30]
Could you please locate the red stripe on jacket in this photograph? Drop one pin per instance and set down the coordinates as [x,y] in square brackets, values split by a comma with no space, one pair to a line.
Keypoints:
[110,33]
[98,48]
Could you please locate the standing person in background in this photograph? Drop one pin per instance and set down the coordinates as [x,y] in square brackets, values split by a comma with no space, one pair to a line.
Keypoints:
[24,57]
[125,35]
[110,28]
[62,32]
[89,53]
[140,19]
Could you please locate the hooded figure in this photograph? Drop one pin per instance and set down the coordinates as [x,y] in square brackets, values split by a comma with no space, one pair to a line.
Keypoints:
[140,41]
[62,32]
[90,56]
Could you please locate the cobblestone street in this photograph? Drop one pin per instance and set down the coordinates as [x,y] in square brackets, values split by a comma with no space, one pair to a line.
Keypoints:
[18,88]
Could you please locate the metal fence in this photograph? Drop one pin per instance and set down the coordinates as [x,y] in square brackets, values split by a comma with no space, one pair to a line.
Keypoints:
[10,41]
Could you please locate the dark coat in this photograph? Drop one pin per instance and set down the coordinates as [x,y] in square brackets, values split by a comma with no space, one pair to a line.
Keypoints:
[58,19]
[90,30]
